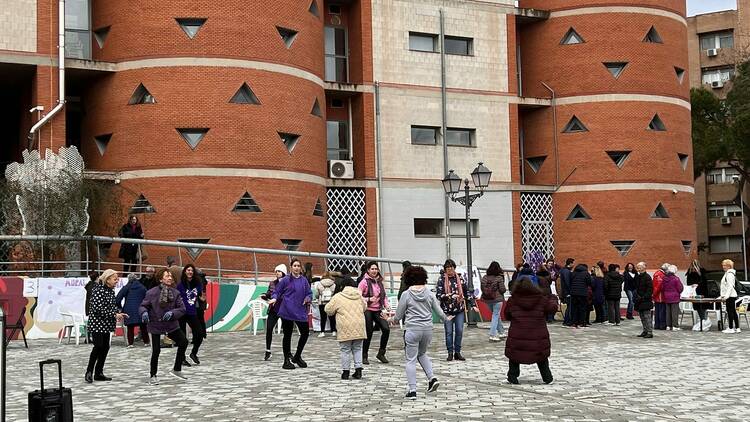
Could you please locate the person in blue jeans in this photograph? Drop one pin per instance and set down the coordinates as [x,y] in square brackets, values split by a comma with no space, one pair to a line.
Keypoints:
[453,294]
[493,291]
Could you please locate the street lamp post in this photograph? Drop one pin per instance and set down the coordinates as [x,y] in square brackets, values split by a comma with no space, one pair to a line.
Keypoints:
[452,185]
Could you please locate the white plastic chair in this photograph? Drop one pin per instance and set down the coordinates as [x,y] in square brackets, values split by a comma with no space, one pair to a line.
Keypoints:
[393,304]
[687,307]
[72,326]
[259,309]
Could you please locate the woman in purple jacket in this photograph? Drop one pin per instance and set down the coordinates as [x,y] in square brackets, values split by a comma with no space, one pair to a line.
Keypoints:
[671,288]
[161,309]
[295,295]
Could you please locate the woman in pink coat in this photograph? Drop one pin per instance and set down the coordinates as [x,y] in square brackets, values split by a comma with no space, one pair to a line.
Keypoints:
[671,288]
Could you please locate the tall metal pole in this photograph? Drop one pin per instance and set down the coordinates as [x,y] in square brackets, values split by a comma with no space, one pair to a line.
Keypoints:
[469,266]
[744,241]
[443,129]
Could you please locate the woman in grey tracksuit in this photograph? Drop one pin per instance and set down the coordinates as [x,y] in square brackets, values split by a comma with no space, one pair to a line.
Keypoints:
[416,307]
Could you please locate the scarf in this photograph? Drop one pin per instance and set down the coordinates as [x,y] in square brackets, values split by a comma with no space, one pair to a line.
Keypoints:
[166,296]
[447,286]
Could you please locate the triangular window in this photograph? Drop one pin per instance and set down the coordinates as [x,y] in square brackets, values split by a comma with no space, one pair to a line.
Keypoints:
[657,124]
[680,72]
[572,37]
[141,95]
[245,95]
[287,35]
[191,26]
[291,244]
[536,162]
[619,157]
[318,210]
[314,9]
[574,125]
[289,140]
[623,246]
[316,109]
[102,141]
[246,204]
[141,206]
[578,213]
[100,35]
[687,246]
[660,212]
[684,158]
[652,36]
[193,136]
[194,251]
[616,68]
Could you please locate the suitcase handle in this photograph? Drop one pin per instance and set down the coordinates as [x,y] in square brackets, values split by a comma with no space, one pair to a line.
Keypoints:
[59,373]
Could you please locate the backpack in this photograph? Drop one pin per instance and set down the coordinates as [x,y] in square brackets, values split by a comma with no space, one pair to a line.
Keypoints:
[489,289]
[739,288]
[327,294]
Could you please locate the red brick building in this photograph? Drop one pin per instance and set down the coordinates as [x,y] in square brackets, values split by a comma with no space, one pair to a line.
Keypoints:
[222,120]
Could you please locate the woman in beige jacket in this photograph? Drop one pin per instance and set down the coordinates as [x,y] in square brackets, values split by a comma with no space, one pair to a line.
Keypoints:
[349,307]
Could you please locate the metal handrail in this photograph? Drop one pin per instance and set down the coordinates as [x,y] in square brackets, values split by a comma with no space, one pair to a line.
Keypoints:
[2,365]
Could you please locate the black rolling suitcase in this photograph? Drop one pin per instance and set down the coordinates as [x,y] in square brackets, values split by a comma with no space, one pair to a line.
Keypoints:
[53,404]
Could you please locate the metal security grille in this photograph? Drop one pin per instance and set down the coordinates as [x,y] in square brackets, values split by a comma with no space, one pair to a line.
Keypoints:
[347,226]
[537,233]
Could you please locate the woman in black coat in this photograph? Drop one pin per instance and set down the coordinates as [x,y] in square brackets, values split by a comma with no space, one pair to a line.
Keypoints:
[613,292]
[696,277]
[628,277]
[129,251]
[644,290]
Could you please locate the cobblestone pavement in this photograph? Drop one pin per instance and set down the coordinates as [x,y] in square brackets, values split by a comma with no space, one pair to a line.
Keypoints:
[601,373]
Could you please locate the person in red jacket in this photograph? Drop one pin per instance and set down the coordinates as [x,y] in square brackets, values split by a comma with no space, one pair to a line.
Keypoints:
[528,338]
[660,308]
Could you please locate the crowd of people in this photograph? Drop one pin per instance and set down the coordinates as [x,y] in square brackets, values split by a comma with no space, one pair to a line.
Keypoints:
[164,303]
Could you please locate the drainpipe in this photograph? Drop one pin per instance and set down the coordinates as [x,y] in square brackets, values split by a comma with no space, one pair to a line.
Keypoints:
[378,198]
[60,74]
[443,130]
[554,137]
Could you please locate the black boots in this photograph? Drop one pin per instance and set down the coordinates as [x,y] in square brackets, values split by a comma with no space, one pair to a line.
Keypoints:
[89,377]
[288,363]
[357,373]
[381,356]
[458,356]
[450,357]
[345,375]
[297,360]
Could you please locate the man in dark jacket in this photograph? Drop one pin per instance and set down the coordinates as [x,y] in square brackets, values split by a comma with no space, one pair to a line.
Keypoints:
[564,293]
[613,292]
[580,282]
[644,299]
[147,279]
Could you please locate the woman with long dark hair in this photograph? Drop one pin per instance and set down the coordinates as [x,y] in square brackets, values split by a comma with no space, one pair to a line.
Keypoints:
[191,288]
[273,310]
[493,294]
[103,313]
[295,295]
[161,309]
[453,294]
[373,291]
[129,251]
[629,286]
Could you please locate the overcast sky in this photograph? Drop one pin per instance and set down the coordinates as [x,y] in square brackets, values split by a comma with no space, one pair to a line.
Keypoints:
[695,7]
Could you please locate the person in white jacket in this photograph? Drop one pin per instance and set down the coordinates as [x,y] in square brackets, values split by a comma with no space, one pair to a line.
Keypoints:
[729,294]
[324,290]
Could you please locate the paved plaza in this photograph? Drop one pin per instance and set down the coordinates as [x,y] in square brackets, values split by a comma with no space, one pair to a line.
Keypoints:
[601,373]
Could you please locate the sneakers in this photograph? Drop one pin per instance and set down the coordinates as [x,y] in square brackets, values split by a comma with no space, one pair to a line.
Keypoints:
[153,380]
[357,373]
[288,364]
[297,360]
[321,335]
[648,336]
[267,355]
[178,375]
[548,380]
[737,330]
[728,331]
[503,335]
[345,375]
[186,363]
[411,395]
[669,328]
[642,335]
[130,346]
[333,334]
[676,329]
[434,384]
[458,356]
[494,338]
[194,358]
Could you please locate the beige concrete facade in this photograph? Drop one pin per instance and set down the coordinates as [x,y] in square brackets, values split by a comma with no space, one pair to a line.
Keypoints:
[18,25]
[716,193]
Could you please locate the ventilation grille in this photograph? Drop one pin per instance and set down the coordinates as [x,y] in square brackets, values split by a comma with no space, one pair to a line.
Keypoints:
[142,206]
[246,204]
[574,125]
[572,37]
[193,251]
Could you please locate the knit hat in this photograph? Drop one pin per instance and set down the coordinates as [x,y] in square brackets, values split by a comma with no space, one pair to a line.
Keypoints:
[105,275]
[282,268]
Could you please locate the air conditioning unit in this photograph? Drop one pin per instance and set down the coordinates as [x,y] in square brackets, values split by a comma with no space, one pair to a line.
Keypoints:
[712,52]
[717,84]
[341,169]
[726,221]
[735,178]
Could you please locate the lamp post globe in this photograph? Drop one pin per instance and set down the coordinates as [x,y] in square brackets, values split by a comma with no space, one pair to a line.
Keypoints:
[481,176]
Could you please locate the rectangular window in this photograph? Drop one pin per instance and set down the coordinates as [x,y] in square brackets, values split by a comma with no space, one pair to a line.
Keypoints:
[433,227]
[336,55]
[733,211]
[725,244]
[428,227]
[717,40]
[424,135]
[722,175]
[716,212]
[459,45]
[77,30]
[717,75]
[419,41]
[460,137]
[338,140]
